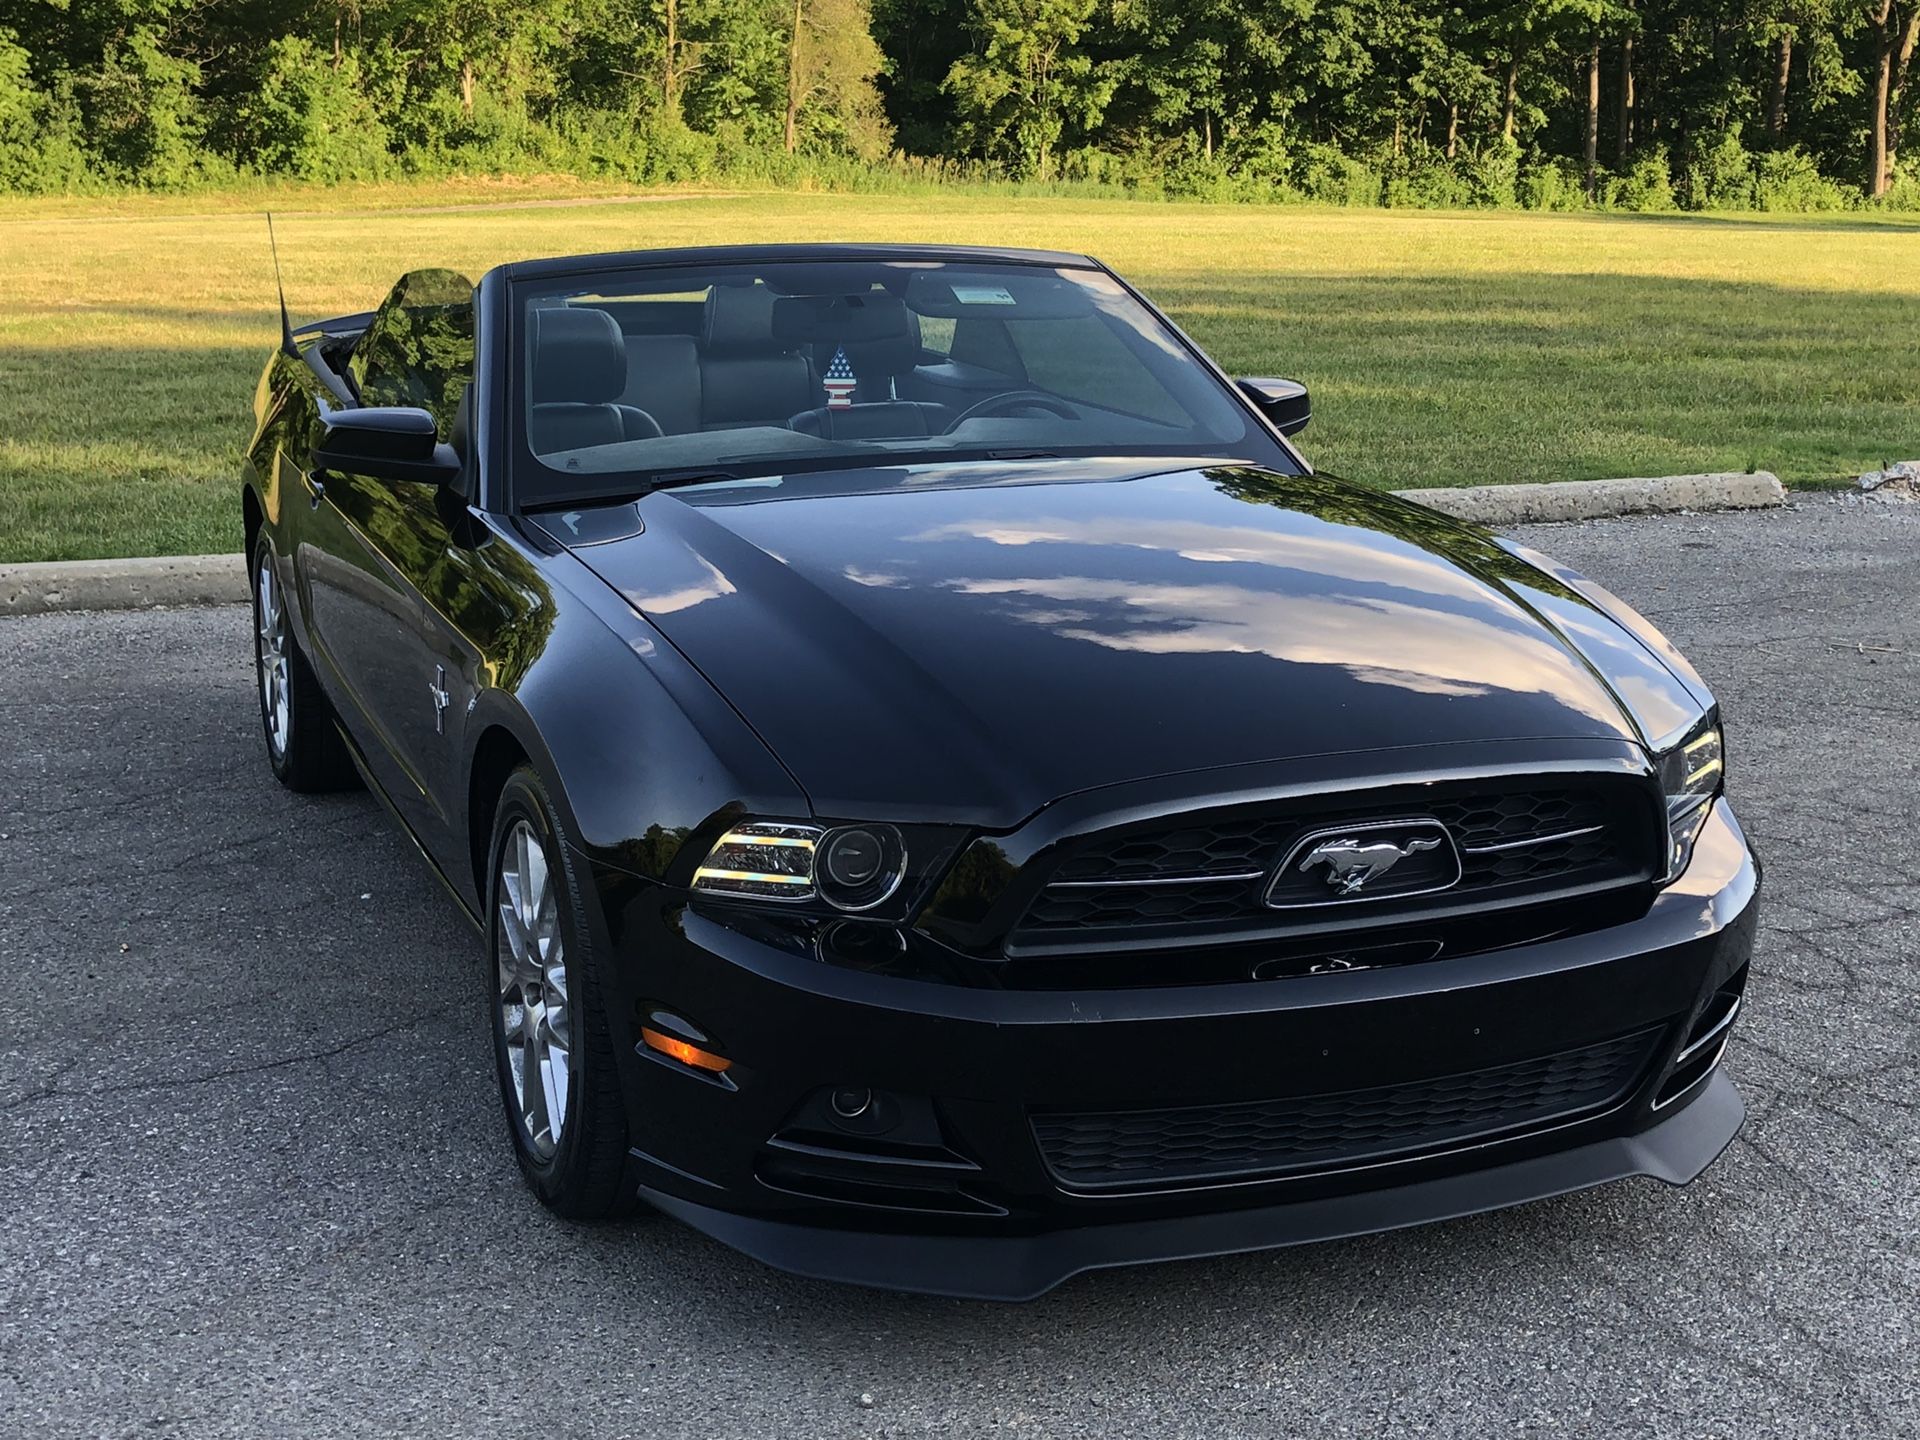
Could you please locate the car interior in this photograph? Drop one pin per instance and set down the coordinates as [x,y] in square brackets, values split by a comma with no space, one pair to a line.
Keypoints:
[917,359]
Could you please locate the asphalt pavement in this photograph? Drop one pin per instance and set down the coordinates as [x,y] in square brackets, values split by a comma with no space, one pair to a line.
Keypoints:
[254,1179]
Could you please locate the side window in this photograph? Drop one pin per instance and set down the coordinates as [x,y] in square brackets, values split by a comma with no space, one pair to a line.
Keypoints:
[418,349]
[936,334]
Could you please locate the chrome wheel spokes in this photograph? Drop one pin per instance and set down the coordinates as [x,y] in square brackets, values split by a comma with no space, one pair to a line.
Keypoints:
[276,695]
[530,969]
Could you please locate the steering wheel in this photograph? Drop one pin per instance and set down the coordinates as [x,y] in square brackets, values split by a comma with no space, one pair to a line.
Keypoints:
[1009,400]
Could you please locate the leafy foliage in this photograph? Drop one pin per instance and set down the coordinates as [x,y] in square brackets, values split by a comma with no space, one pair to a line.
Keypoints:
[39,149]
[312,118]
[1637,104]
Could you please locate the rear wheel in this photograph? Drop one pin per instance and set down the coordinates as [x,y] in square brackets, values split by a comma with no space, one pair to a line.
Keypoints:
[551,1044]
[303,747]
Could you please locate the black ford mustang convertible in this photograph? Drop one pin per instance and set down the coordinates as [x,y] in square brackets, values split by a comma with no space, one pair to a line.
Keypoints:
[953,800]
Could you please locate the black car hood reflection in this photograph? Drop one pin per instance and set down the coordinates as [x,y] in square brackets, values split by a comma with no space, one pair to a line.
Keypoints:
[972,642]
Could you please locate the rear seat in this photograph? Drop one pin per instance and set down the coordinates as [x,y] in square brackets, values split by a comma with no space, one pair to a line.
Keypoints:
[663,379]
[754,365]
[735,374]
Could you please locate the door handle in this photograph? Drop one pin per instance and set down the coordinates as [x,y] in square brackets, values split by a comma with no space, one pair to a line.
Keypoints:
[316,487]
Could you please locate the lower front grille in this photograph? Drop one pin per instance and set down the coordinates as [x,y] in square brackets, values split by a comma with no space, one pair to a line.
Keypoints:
[1217,1143]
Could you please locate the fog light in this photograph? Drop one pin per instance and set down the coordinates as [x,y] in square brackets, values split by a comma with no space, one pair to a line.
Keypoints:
[852,1104]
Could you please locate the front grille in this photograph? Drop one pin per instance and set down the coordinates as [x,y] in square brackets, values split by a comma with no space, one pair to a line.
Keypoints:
[1215,1143]
[1212,872]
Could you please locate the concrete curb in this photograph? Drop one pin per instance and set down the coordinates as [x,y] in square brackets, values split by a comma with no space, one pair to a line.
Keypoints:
[36,589]
[1601,499]
[141,584]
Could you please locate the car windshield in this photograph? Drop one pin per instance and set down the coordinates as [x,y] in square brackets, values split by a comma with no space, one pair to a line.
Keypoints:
[709,374]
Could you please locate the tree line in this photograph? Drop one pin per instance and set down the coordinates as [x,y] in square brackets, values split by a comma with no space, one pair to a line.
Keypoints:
[1648,104]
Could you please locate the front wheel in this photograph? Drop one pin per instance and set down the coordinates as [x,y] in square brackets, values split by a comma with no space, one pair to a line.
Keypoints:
[303,747]
[551,1044]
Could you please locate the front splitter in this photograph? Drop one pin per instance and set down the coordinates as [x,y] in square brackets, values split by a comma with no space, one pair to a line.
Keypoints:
[1021,1267]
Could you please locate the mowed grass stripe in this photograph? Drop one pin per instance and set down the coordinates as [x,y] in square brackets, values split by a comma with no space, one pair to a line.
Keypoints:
[1442,349]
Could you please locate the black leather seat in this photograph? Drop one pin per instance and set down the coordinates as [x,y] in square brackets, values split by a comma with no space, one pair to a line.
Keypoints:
[663,379]
[746,376]
[579,377]
[881,362]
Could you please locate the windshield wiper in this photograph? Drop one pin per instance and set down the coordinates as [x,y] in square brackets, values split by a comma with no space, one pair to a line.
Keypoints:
[673,479]
[628,494]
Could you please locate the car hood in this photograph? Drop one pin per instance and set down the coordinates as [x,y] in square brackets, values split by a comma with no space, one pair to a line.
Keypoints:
[970,642]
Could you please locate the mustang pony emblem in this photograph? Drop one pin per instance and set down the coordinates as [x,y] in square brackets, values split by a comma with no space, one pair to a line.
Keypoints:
[1350,865]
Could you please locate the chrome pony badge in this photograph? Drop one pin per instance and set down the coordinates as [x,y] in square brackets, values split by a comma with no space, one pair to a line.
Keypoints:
[1350,865]
[1374,861]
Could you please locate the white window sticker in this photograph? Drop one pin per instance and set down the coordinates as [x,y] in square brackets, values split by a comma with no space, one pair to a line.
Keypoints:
[982,295]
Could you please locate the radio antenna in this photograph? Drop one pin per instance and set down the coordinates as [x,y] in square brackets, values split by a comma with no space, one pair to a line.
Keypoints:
[315,359]
[286,326]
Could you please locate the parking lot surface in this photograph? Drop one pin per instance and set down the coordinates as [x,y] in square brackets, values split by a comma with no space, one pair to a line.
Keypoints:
[254,1180]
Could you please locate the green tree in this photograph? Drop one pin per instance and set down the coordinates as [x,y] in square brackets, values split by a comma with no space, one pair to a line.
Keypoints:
[1028,81]
[1518,32]
[1895,28]
[1419,101]
[310,116]
[832,63]
[147,123]
[920,40]
[38,151]
[1216,67]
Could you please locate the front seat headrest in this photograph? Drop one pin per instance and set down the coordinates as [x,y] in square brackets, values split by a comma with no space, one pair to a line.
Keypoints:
[579,356]
[739,318]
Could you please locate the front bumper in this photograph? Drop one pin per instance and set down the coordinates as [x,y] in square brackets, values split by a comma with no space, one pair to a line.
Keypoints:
[981,1212]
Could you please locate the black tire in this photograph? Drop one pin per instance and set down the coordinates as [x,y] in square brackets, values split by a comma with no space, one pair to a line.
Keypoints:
[582,1173]
[305,750]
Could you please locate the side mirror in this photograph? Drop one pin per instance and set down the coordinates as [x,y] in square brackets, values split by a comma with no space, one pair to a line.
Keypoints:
[386,442]
[1284,402]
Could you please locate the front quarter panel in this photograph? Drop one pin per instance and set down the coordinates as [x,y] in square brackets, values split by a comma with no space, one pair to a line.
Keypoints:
[1654,687]
[638,749]
[1622,614]
[285,407]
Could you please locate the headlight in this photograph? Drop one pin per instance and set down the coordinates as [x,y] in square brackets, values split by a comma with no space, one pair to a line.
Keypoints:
[761,862]
[1691,774]
[851,867]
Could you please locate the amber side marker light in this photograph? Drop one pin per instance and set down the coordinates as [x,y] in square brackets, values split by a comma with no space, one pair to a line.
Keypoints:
[683,1052]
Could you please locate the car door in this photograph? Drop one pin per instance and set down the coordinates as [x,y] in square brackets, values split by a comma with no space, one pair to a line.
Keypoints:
[369,544]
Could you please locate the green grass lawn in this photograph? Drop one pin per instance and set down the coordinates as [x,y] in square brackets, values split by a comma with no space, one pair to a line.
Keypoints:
[1442,349]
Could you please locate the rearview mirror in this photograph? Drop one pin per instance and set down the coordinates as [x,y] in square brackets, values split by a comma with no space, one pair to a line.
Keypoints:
[386,442]
[1284,402]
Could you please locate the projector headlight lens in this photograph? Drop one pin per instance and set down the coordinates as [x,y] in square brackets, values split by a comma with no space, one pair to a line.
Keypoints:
[861,865]
[852,867]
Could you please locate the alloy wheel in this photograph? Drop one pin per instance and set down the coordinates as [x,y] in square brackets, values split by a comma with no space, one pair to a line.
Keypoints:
[531,972]
[276,692]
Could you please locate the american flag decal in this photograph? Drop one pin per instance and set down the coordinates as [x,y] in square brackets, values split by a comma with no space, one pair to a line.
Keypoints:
[839,381]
